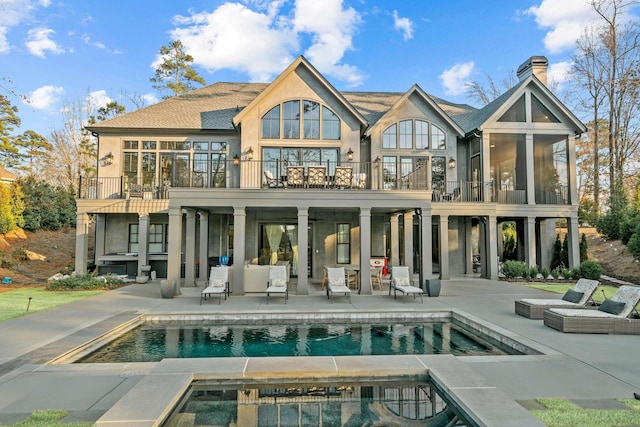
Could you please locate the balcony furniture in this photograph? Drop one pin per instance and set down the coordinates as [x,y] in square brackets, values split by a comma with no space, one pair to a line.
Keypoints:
[317,177]
[376,277]
[401,281]
[615,316]
[254,277]
[218,284]
[272,182]
[135,192]
[278,283]
[343,177]
[295,176]
[336,283]
[534,308]
[359,180]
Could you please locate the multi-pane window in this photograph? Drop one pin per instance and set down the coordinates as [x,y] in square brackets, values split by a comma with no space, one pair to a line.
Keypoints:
[422,135]
[156,238]
[406,134]
[389,171]
[311,119]
[133,238]
[414,134]
[343,243]
[218,170]
[438,140]
[200,169]
[130,145]
[130,168]
[389,137]
[271,123]
[148,169]
[316,122]
[438,173]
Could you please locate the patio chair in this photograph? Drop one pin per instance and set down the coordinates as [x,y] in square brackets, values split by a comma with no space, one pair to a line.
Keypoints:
[277,283]
[578,297]
[376,277]
[401,281]
[617,315]
[218,284]
[272,182]
[295,176]
[336,283]
[343,177]
[317,177]
[359,180]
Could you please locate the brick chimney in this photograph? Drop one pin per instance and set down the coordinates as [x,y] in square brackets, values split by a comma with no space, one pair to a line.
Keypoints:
[536,65]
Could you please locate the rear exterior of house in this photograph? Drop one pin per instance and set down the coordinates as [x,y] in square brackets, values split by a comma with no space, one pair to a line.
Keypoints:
[296,172]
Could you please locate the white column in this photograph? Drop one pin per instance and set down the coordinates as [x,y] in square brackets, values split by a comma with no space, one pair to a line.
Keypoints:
[408,241]
[303,251]
[143,241]
[492,247]
[174,255]
[529,153]
[468,247]
[571,166]
[203,252]
[395,241]
[190,249]
[365,251]
[444,247]
[573,242]
[239,230]
[98,245]
[82,242]
[530,241]
[426,250]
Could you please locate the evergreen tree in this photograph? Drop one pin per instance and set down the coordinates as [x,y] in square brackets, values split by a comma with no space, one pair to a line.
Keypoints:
[583,248]
[556,259]
[35,146]
[175,73]
[9,154]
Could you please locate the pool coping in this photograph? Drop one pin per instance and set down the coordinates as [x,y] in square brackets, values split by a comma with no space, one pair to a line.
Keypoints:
[153,399]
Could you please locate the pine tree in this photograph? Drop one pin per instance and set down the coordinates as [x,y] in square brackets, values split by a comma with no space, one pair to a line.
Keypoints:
[175,73]
[583,249]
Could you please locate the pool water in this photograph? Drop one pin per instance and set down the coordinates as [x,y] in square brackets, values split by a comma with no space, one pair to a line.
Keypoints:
[153,342]
[321,405]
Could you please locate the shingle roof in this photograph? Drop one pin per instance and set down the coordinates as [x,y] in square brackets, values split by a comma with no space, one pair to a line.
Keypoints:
[214,106]
[5,175]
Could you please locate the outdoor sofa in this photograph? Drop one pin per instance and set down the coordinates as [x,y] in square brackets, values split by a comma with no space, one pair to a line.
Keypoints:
[578,297]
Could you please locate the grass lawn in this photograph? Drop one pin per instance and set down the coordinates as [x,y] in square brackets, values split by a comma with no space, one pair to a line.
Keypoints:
[563,413]
[49,418]
[561,288]
[14,303]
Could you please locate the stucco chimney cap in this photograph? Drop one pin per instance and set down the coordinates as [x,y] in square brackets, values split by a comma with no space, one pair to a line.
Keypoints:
[527,67]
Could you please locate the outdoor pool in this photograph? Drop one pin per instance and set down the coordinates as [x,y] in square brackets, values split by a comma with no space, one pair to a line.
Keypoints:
[152,342]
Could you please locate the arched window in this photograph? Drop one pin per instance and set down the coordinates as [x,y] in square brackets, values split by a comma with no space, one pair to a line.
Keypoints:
[389,137]
[422,135]
[414,134]
[271,123]
[406,134]
[312,122]
[438,139]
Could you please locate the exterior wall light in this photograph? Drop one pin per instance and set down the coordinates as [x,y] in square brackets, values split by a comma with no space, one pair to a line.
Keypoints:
[377,161]
[350,155]
[108,159]
[236,160]
[452,163]
[250,154]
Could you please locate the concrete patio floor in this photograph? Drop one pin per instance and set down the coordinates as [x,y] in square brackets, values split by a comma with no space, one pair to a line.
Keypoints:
[581,367]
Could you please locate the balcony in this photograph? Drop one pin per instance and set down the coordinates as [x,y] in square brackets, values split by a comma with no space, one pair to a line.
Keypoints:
[283,176]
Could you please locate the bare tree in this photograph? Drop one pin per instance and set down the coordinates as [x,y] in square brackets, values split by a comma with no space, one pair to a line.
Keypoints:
[485,92]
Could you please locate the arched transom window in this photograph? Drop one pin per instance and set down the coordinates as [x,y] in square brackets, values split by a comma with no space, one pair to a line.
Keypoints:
[300,119]
[414,134]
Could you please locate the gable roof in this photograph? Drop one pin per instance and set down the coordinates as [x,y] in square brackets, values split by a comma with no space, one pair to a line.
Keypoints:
[7,176]
[415,89]
[301,61]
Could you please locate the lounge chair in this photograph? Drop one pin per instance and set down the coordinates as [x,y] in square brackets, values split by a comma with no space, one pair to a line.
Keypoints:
[218,284]
[336,283]
[272,181]
[617,315]
[401,281]
[578,297]
[277,283]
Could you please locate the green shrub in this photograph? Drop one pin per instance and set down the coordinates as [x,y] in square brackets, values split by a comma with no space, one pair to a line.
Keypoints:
[576,273]
[545,272]
[583,248]
[514,269]
[591,270]
[555,273]
[565,272]
[533,272]
[634,244]
[557,257]
[84,282]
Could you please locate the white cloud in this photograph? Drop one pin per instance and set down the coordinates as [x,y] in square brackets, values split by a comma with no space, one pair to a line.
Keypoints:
[39,42]
[558,73]
[565,19]
[98,99]
[87,40]
[150,98]
[12,14]
[404,25]
[44,97]
[454,79]
[263,40]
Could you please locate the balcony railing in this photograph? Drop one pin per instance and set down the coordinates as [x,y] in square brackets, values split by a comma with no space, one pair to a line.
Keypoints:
[279,175]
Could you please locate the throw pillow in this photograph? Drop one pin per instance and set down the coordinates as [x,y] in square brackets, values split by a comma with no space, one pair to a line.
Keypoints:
[402,281]
[278,283]
[612,307]
[573,296]
[217,283]
[336,281]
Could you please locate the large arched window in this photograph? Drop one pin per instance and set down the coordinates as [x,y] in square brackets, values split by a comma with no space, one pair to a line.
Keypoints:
[300,119]
[414,134]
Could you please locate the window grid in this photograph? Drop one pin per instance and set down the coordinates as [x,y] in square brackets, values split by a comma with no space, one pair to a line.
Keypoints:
[343,243]
[133,238]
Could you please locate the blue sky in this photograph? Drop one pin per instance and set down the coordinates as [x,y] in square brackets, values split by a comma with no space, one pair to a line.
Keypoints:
[56,52]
